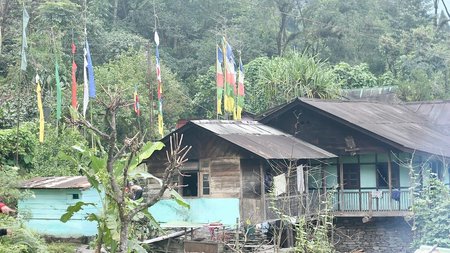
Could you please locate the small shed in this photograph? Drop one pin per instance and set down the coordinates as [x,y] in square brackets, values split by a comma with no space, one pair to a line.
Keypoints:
[51,197]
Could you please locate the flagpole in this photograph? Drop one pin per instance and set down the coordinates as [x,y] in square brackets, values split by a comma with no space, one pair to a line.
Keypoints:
[23,69]
[217,88]
[225,86]
[150,94]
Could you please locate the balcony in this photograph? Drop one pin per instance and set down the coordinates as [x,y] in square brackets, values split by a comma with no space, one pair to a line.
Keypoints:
[347,203]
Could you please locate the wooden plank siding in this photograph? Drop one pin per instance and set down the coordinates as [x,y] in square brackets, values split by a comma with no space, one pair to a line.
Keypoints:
[44,210]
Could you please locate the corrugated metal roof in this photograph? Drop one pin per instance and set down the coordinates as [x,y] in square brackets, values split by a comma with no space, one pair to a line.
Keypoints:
[438,112]
[73,182]
[392,122]
[262,140]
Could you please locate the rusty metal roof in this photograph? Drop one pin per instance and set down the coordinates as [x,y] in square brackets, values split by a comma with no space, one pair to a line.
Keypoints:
[262,140]
[72,182]
[394,124]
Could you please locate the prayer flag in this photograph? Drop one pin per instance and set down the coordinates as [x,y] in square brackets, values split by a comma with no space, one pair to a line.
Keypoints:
[90,72]
[160,91]
[25,19]
[240,91]
[230,79]
[85,85]
[41,111]
[58,92]
[74,80]
[219,79]
[136,102]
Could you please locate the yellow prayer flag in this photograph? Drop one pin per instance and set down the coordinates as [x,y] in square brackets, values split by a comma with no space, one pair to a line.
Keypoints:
[41,111]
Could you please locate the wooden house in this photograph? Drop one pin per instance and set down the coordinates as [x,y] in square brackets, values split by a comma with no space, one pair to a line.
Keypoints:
[230,163]
[51,197]
[375,142]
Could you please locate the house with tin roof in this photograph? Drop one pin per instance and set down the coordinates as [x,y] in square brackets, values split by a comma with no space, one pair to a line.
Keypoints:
[51,197]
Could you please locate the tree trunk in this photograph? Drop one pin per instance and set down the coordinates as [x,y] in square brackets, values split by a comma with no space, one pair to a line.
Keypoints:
[116,5]
[123,241]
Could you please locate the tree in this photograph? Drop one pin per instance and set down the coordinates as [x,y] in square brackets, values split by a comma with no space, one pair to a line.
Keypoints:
[271,82]
[116,164]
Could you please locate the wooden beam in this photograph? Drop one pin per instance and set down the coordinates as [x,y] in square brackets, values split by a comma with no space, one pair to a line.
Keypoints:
[164,237]
[373,214]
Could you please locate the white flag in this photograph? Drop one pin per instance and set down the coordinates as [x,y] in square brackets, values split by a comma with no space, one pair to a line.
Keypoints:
[156,38]
[86,85]
[300,179]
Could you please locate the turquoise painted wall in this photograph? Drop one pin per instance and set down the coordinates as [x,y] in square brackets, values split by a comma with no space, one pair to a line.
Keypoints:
[331,175]
[47,206]
[203,210]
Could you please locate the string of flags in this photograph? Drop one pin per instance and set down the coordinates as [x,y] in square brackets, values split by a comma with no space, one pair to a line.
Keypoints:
[232,94]
[230,83]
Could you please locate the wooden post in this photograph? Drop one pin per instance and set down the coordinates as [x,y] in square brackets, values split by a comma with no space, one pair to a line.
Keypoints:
[263,190]
[390,179]
[341,184]
[236,236]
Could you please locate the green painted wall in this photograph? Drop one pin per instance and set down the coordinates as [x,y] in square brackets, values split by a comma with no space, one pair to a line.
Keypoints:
[46,207]
[368,176]
[331,175]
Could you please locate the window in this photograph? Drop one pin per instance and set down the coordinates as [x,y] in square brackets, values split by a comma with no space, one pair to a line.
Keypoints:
[383,175]
[351,176]
[205,184]
[75,196]
[190,184]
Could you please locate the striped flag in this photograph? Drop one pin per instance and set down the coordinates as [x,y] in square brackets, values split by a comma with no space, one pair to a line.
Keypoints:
[219,79]
[137,108]
[160,91]
[74,80]
[230,79]
[58,92]
[25,19]
[40,109]
[240,91]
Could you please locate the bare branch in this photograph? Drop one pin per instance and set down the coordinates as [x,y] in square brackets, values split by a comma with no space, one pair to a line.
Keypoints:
[176,156]
[87,124]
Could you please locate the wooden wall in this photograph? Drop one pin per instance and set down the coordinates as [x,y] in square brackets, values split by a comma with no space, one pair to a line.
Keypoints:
[225,177]
[326,133]
[252,203]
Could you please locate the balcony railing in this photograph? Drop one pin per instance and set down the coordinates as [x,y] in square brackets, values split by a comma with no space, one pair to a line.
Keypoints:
[358,202]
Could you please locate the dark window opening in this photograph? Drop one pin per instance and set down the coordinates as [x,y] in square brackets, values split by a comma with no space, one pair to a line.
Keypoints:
[383,175]
[75,196]
[351,176]
[205,184]
[190,184]
[437,169]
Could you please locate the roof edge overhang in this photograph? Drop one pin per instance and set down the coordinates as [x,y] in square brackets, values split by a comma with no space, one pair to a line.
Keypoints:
[299,101]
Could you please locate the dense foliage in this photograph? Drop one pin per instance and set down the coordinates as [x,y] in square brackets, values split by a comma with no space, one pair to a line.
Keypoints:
[431,218]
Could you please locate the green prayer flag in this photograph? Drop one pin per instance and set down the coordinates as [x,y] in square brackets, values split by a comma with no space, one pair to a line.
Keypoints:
[58,92]
[26,18]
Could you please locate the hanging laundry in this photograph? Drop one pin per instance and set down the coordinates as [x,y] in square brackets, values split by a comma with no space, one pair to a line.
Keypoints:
[279,184]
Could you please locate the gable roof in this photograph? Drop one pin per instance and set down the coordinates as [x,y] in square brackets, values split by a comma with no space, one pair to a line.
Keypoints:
[259,139]
[68,182]
[393,124]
